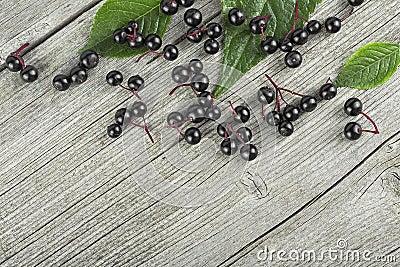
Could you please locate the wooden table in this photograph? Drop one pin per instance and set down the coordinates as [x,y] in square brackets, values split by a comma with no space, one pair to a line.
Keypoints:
[71,196]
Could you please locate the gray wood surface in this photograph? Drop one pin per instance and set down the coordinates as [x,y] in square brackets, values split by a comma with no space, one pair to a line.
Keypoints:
[71,196]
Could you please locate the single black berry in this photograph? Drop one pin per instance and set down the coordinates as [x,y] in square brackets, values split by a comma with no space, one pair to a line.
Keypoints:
[180,74]
[78,75]
[193,17]
[120,36]
[236,17]
[29,74]
[193,136]
[13,64]
[353,107]
[266,95]
[222,130]
[153,42]
[169,7]
[213,113]
[196,113]
[257,25]
[355,2]
[200,82]
[314,27]
[120,116]
[138,109]
[308,103]
[114,78]
[245,134]
[195,66]
[61,82]
[194,35]
[205,99]
[175,118]
[285,128]
[89,59]
[352,131]
[291,113]
[274,118]
[241,114]
[328,91]
[131,26]
[269,45]
[293,59]
[136,43]
[249,152]
[214,30]
[211,46]
[185,3]
[286,45]
[228,147]
[136,83]
[333,24]
[114,130]
[299,36]
[170,52]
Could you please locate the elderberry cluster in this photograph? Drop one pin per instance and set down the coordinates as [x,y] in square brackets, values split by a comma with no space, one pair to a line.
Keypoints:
[15,63]
[88,60]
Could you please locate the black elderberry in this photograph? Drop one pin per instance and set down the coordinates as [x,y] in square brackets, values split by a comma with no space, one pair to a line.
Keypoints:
[153,42]
[213,113]
[286,45]
[136,43]
[139,109]
[308,103]
[136,83]
[353,131]
[196,113]
[114,130]
[228,147]
[211,46]
[193,17]
[180,74]
[175,118]
[291,113]
[299,36]
[170,52]
[29,74]
[257,25]
[328,91]
[205,99]
[293,59]
[194,35]
[200,82]
[245,134]
[236,17]
[89,59]
[355,2]
[78,75]
[120,36]
[269,45]
[185,3]
[13,64]
[333,24]
[114,78]
[193,136]
[353,107]
[274,118]
[314,27]
[214,30]
[222,130]
[266,95]
[120,116]
[285,128]
[195,66]
[61,82]
[249,152]
[241,114]
[131,26]
[169,7]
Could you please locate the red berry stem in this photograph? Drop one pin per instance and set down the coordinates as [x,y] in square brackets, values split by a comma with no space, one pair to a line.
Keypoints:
[329,80]
[290,91]
[132,91]
[346,16]
[233,108]
[230,128]
[197,32]
[18,51]
[179,131]
[183,85]
[132,37]
[147,130]
[376,131]
[296,18]
[147,53]
[263,111]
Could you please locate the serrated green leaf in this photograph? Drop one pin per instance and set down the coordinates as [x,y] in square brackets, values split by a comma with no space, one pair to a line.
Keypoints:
[371,66]
[241,47]
[115,14]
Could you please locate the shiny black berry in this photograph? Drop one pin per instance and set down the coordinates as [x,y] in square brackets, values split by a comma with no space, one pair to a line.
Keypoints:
[136,43]
[136,83]
[138,109]
[249,152]
[353,107]
[299,37]
[333,24]
[328,91]
[13,64]
[120,116]
[269,45]
[274,118]
[153,42]
[61,82]
[213,113]
[29,74]
[78,75]
[229,147]
[314,27]
[308,103]
[120,36]
[291,113]
[114,78]
[170,52]
[169,7]
[258,25]
[193,17]
[196,113]
[293,59]
[193,136]
[245,134]
[194,38]
[286,45]
[242,114]
[222,130]
[200,82]
[205,99]
[285,128]
[175,118]
[352,131]
[265,95]
[195,66]
[114,130]
[185,3]
[236,17]
[180,74]
[131,26]
[355,2]
[211,46]
[89,59]
[214,30]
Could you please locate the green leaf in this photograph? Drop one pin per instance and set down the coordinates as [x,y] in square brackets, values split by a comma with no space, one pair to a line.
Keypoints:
[115,14]
[371,66]
[241,47]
